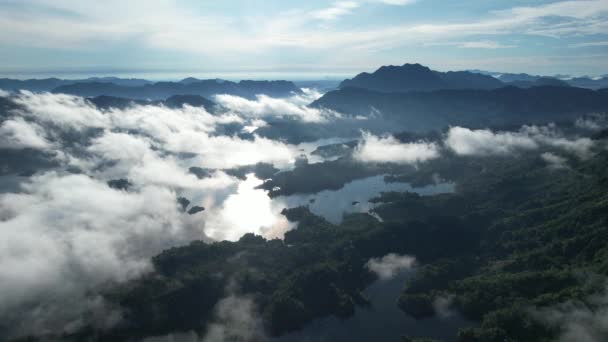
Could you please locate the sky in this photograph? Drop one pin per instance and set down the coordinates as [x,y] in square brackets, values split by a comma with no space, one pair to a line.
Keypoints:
[236,39]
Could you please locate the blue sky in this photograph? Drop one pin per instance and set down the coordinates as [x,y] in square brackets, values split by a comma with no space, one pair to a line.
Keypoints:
[304,39]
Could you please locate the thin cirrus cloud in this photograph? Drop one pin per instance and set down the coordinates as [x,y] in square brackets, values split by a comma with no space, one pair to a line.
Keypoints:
[337,10]
[397,2]
[486,44]
[173,26]
[590,44]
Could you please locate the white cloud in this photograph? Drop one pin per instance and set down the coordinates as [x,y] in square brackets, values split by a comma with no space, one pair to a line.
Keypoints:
[578,321]
[484,142]
[236,319]
[592,122]
[390,265]
[18,133]
[4,93]
[338,9]
[66,237]
[254,125]
[63,238]
[554,161]
[62,110]
[388,149]
[227,152]
[442,306]
[295,106]
[187,129]
[397,2]
[485,44]
[143,144]
[133,158]
[548,135]
[465,141]
[589,44]
[167,25]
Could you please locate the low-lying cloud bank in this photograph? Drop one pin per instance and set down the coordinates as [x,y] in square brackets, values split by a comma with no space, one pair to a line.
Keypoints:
[65,235]
[578,321]
[554,161]
[387,149]
[593,122]
[183,130]
[476,142]
[390,265]
[18,134]
[465,141]
[484,142]
[295,107]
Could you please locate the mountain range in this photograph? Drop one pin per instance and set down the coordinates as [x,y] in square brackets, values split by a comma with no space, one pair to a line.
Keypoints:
[416,77]
[175,101]
[581,82]
[408,77]
[163,90]
[428,110]
[48,84]
[146,90]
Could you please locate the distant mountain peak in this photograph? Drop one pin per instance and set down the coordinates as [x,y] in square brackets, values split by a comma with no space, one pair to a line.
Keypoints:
[417,77]
[189,80]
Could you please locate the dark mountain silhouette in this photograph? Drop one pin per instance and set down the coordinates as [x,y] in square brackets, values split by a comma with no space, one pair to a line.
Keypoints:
[129,82]
[141,89]
[509,77]
[422,111]
[107,102]
[586,82]
[321,85]
[538,82]
[469,80]
[189,80]
[176,101]
[515,79]
[163,90]
[415,77]
[45,84]
[48,84]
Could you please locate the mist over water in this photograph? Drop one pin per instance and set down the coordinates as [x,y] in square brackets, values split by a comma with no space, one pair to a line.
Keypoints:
[381,321]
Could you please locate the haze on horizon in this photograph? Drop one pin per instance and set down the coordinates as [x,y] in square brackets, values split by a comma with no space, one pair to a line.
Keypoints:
[288,39]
